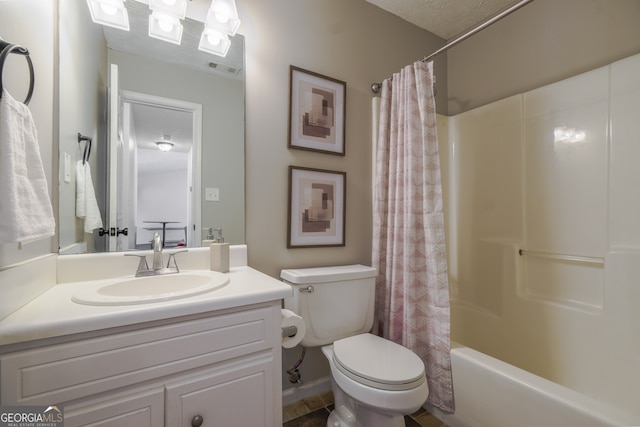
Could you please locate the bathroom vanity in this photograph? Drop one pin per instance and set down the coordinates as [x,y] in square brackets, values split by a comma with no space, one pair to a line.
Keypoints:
[212,359]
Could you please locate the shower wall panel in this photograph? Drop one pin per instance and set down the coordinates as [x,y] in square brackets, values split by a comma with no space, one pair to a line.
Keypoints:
[553,172]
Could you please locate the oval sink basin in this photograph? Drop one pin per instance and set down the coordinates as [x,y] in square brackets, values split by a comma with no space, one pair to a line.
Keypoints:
[148,289]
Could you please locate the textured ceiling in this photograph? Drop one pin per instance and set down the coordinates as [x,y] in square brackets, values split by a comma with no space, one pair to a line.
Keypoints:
[444,18]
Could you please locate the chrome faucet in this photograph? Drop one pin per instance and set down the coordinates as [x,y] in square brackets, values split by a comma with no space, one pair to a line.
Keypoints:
[157,267]
[157,252]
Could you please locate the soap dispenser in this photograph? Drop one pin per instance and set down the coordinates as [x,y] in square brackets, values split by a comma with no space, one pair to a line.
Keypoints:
[219,251]
[210,239]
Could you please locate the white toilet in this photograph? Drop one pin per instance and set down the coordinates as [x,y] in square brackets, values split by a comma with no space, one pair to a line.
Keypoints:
[375,382]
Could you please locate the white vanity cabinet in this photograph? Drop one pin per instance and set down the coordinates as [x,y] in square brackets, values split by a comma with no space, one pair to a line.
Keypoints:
[214,369]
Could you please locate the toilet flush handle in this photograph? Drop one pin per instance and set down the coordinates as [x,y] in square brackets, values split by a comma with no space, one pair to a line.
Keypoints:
[308,289]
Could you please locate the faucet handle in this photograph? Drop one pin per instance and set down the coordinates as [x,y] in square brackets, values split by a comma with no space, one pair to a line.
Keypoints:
[156,243]
[172,259]
[142,265]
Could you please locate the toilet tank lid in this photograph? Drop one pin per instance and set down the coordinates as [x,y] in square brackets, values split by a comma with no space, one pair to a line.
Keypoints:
[327,274]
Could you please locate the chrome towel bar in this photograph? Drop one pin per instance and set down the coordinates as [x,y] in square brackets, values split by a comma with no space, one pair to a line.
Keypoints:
[563,257]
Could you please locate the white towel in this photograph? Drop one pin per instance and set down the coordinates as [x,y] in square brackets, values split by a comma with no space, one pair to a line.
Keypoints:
[86,203]
[25,207]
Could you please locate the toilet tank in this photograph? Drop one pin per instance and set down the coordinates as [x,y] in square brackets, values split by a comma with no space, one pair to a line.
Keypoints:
[335,302]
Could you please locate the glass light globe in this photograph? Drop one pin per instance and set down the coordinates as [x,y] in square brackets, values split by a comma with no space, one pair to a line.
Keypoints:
[108,9]
[165,24]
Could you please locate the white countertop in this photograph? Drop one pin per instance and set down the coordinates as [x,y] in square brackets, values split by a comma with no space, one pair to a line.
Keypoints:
[54,314]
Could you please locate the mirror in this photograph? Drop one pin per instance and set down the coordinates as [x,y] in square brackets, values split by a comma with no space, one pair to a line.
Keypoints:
[126,92]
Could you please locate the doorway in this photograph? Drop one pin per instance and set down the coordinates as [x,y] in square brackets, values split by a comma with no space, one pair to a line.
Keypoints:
[158,190]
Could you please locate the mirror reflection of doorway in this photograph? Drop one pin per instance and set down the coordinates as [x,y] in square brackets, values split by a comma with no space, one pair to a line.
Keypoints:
[157,191]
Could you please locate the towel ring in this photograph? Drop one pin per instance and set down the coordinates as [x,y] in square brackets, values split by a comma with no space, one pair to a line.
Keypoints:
[11,48]
[87,147]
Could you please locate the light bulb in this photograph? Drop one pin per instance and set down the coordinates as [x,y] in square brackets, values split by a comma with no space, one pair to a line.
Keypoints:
[214,39]
[108,9]
[222,11]
[165,24]
[164,146]
[222,18]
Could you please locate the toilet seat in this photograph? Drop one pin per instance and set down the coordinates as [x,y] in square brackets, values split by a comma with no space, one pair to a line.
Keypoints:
[377,362]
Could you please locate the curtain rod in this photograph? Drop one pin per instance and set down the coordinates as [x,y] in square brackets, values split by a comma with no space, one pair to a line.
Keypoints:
[375,87]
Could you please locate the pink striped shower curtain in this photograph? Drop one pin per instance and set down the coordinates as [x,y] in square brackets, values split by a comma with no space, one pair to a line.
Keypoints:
[409,252]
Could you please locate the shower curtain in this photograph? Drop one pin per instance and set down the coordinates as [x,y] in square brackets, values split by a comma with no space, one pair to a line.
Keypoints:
[409,252]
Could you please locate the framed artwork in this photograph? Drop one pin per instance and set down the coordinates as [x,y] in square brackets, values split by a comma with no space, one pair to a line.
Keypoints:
[317,108]
[317,200]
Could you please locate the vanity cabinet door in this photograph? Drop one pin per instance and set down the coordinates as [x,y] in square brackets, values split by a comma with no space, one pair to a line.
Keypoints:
[137,409]
[233,395]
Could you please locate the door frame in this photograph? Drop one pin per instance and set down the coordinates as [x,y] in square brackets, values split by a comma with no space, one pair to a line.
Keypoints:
[194,211]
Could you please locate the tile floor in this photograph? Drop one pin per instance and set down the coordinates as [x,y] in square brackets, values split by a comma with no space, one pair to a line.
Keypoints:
[314,411]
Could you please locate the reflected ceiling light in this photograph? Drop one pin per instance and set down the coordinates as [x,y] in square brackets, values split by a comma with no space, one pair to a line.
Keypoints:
[165,144]
[177,8]
[111,13]
[565,135]
[223,16]
[221,22]
[164,21]
[214,42]
[165,27]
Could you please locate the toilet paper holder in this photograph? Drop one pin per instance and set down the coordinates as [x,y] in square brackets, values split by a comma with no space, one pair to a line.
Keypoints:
[289,331]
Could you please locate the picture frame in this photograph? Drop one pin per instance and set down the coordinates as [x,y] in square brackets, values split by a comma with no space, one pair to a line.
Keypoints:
[317,208]
[317,112]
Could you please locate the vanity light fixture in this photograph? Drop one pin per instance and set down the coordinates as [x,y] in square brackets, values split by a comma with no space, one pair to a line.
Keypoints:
[165,27]
[111,13]
[221,22]
[214,41]
[177,8]
[223,16]
[164,21]
[165,144]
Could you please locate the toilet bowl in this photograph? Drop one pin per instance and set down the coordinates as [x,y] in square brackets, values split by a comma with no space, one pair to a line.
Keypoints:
[378,381]
[375,382]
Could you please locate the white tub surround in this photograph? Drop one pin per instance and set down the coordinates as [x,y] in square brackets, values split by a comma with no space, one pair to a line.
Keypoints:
[544,238]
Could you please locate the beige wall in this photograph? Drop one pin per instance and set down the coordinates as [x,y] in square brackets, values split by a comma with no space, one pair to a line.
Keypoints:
[352,41]
[544,42]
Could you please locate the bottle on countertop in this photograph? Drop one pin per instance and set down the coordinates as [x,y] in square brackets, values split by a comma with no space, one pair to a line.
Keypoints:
[209,239]
[219,251]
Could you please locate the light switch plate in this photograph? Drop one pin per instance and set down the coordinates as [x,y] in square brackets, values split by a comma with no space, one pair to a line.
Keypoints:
[67,167]
[212,194]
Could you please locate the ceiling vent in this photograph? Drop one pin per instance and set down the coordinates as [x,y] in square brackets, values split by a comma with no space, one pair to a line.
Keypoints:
[224,68]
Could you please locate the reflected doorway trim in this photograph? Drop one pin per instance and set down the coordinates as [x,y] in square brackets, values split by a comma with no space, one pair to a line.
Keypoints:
[196,175]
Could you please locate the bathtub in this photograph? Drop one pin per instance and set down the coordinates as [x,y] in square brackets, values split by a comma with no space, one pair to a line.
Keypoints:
[492,393]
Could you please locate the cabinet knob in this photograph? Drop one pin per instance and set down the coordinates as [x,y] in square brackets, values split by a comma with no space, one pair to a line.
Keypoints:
[197,421]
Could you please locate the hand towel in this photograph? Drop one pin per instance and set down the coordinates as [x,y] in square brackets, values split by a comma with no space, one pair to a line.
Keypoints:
[25,206]
[86,203]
